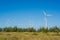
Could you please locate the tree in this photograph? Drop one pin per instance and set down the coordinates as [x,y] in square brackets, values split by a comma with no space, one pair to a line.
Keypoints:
[43,30]
[30,29]
[7,29]
[0,29]
[54,29]
[14,29]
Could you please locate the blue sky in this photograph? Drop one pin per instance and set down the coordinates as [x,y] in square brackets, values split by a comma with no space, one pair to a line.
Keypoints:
[25,13]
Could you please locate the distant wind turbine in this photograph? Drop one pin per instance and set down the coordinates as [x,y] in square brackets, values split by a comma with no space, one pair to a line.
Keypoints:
[8,22]
[45,18]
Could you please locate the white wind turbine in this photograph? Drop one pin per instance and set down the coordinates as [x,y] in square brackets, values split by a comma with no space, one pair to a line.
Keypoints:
[8,22]
[45,18]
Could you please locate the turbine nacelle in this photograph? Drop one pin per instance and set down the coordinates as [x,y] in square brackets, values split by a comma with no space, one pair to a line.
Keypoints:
[46,14]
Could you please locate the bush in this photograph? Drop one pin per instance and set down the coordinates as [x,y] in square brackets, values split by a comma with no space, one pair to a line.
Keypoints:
[54,29]
[7,29]
[0,29]
[43,29]
[30,29]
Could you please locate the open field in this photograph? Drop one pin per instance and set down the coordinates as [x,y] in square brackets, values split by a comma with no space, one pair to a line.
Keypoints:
[28,36]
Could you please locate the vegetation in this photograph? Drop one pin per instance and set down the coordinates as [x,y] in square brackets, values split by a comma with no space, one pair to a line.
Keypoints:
[30,29]
[28,36]
[16,33]
[43,30]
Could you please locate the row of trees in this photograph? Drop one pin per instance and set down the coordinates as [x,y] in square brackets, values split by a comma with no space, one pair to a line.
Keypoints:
[30,29]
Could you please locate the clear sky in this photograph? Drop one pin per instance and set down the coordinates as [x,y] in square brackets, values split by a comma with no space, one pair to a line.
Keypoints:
[25,13]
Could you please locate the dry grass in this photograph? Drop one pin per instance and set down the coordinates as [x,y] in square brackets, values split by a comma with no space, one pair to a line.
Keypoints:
[28,36]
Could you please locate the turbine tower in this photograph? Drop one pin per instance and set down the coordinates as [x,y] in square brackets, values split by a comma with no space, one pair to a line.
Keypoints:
[45,18]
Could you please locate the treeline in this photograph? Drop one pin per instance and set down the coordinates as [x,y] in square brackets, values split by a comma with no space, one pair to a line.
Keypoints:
[30,29]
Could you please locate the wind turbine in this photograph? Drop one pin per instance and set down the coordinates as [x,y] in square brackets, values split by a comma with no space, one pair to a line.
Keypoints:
[8,22]
[45,18]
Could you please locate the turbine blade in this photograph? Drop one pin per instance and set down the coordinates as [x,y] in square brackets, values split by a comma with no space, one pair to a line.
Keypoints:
[49,15]
[44,13]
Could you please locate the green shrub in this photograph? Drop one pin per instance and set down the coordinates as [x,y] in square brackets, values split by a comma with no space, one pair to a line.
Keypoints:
[43,29]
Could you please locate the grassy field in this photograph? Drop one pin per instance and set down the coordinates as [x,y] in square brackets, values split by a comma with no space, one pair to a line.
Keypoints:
[28,36]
